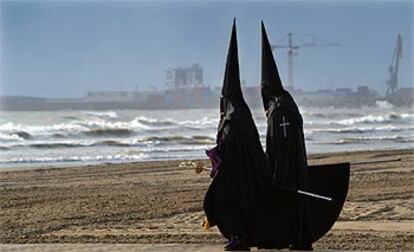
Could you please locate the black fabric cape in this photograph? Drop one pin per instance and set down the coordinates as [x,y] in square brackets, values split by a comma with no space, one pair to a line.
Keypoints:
[234,198]
[239,198]
[287,163]
[245,196]
[303,219]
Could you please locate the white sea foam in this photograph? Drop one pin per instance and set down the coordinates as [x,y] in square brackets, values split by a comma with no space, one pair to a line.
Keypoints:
[361,129]
[103,158]
[10,137]
[205,122]
[370,139]
[389,118]
[108,114]
[112,136]
[33,130]
[383,105]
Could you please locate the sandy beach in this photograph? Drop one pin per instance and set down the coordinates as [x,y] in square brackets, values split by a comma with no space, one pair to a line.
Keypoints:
[155,203]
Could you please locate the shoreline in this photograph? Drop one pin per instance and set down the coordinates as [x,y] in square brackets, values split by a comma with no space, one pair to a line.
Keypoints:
[77,164]
[157,202]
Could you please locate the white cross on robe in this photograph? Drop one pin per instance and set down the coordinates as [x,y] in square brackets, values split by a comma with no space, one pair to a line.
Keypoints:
[284,125]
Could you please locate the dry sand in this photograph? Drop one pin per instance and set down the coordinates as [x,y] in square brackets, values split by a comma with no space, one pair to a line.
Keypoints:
[159,205]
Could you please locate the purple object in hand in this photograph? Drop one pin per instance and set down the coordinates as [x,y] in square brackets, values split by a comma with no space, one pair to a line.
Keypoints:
[215,158]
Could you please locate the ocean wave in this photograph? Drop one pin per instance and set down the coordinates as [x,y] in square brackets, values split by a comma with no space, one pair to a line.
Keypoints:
[383,105]
[116,143]
[182,139]
[175,140]
[361,130]
[49,144]
[59,145]
[203,123]
[172,149]
[31,131]
[370,139]
[107,114]
[10,138]
[101,127]
[169,123]
[21,134]
[165,138]
[154,143]
[390,118]
[155,122]
[377,138]
[328,114]
[97,158]
[315,114]
[93,128]
[109,132]
[181,156]
[58,135]
[70,144]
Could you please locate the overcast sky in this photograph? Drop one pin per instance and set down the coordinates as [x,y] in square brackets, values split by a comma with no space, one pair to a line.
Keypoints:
[65,48]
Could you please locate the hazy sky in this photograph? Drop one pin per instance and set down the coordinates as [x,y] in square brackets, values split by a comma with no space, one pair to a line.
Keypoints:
[65,48]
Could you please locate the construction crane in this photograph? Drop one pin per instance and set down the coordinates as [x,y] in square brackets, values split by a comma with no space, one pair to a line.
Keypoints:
[392,83]
[292,51]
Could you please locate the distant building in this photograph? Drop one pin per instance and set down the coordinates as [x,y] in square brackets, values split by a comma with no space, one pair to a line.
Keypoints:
[184,77]
[340,97]
[343,91]
[109,96]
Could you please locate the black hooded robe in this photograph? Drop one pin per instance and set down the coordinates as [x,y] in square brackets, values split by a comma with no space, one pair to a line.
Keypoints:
[242,197]
[286,156]
[235,199]
[304,219]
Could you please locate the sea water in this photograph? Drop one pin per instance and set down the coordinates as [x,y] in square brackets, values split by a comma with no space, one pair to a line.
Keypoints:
[61,138]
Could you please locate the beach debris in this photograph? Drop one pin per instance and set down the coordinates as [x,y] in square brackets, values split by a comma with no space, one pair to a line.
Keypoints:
[197,166]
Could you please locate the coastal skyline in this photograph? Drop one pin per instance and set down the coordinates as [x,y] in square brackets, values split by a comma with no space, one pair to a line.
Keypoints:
[66,48]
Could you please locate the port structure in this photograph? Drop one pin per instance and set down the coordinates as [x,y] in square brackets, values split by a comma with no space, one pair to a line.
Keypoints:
[393,69]
[311,41]
[180,78]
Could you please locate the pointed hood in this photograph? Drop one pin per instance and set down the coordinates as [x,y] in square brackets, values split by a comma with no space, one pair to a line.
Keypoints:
[232,104]
[271,85]
[231,84]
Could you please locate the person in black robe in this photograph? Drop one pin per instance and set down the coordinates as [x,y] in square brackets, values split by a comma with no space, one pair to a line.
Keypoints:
[285,147]
[233,201]
[288,168]
[250,206]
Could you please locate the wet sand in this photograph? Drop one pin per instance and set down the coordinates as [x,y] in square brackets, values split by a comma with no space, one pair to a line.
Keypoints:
[158,206]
